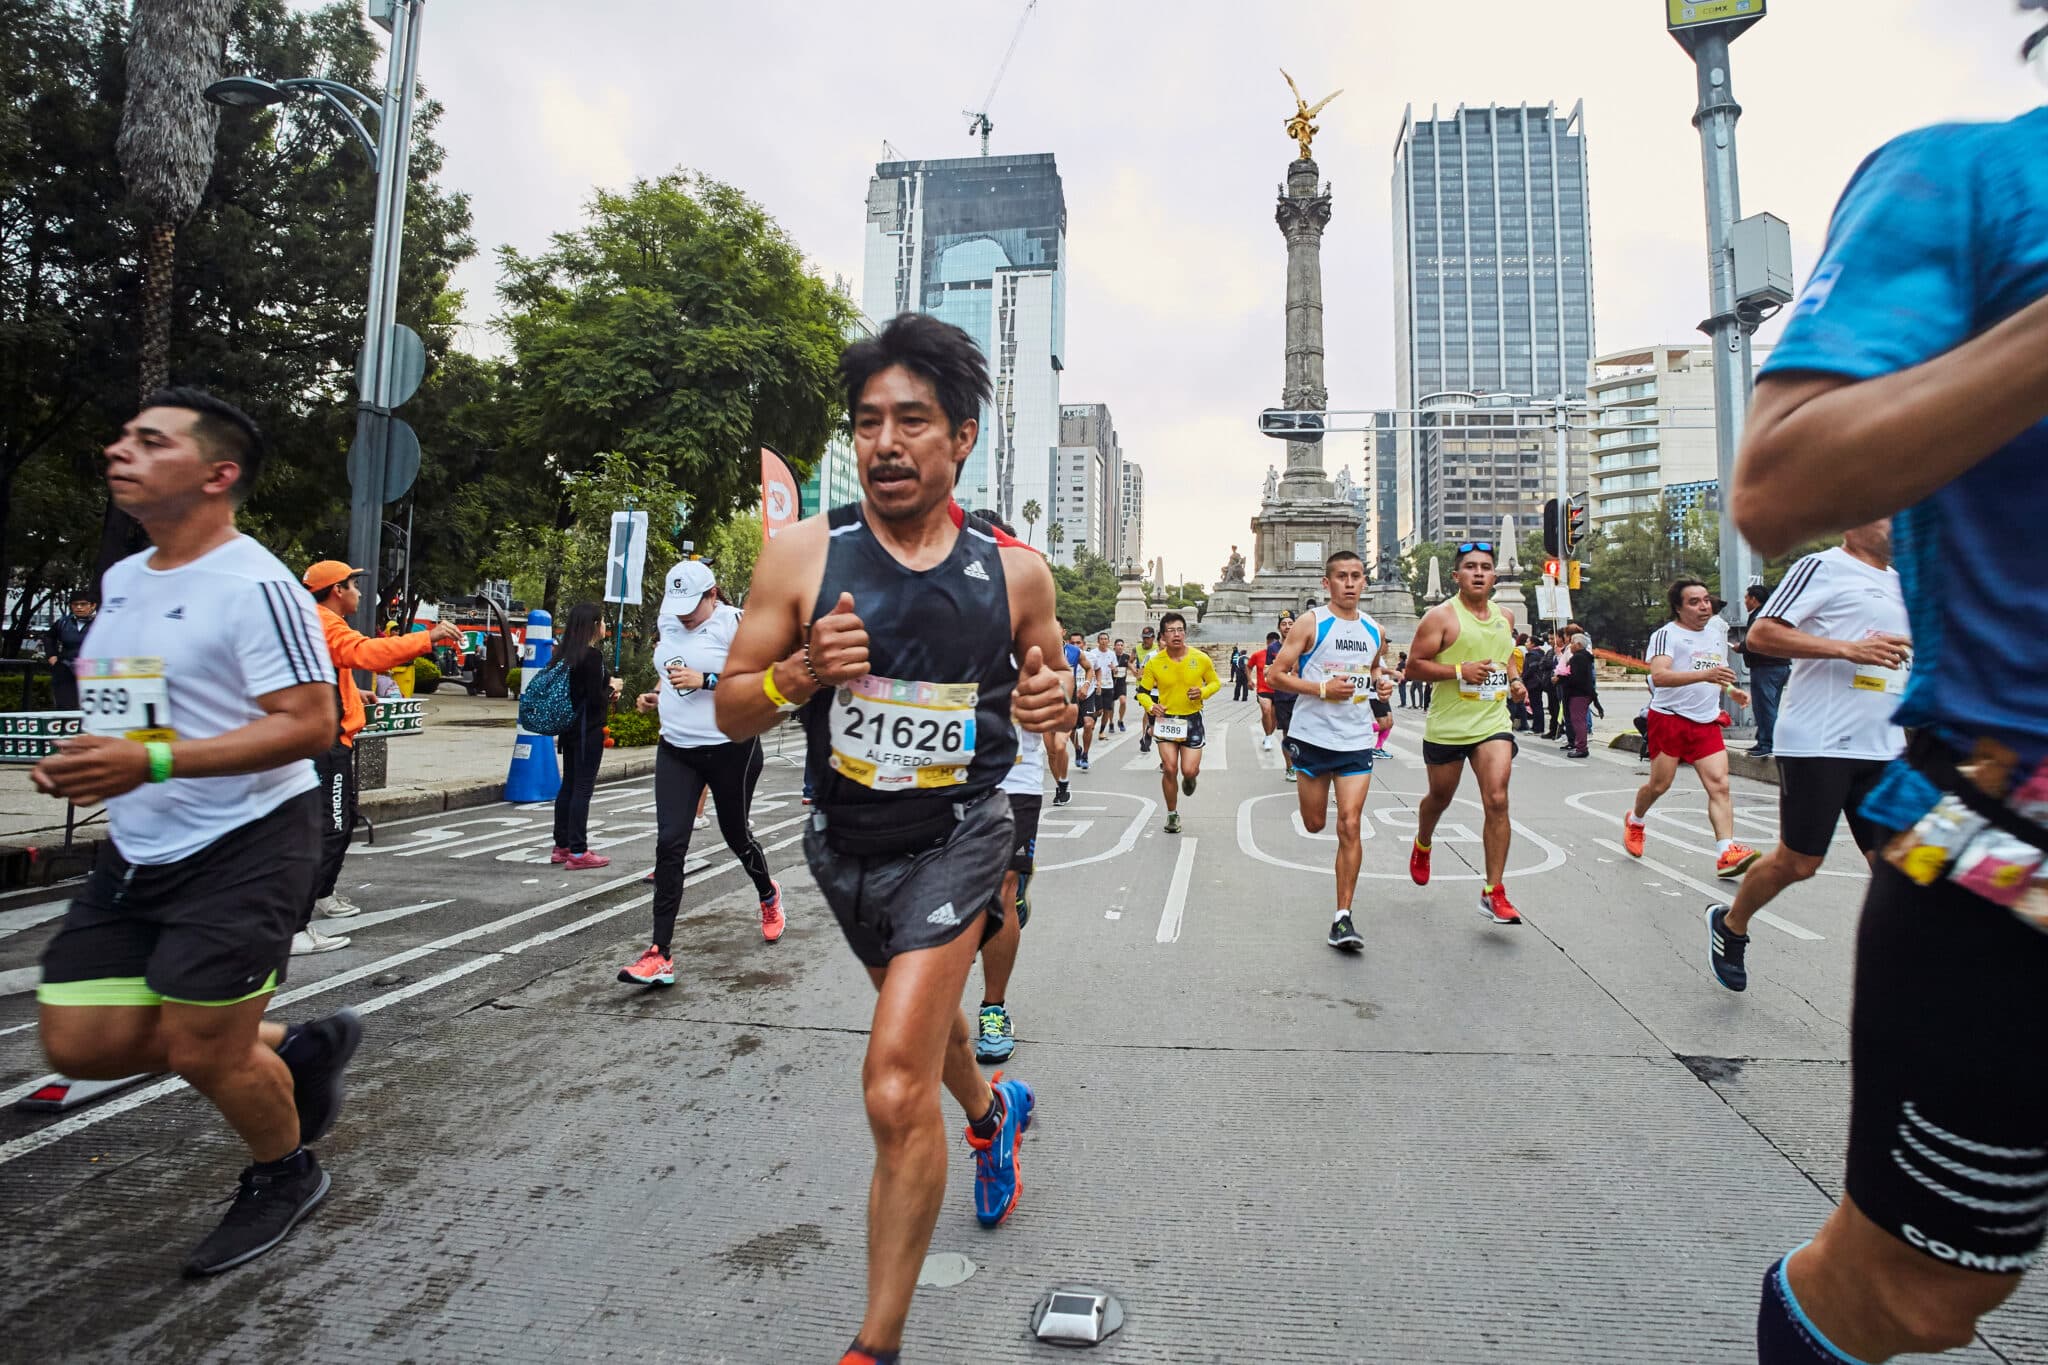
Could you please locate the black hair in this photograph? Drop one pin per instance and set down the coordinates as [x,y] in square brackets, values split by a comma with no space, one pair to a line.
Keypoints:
[1334,559]
[226,431]
[1271,636]
[1758,591]
[324,593]
[82,595]
[984,514]
[580,633]
[1677,593]
[1169,619]
[937,352]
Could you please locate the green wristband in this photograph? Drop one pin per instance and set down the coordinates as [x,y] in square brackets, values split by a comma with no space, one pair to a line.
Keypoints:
[159,760]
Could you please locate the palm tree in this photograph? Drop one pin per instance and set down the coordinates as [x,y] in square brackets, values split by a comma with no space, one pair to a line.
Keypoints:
[1032,512]
[1055,533]
[175,50]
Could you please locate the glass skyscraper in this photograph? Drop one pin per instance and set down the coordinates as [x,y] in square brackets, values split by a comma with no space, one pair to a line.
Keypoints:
[1492,263]
[981,242]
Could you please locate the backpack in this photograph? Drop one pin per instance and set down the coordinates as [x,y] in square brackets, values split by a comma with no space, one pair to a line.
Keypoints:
[544,705]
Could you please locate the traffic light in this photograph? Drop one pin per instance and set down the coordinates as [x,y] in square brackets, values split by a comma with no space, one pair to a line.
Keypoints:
[1553,569]
[1575,524]
[1572,575]
[1550,545]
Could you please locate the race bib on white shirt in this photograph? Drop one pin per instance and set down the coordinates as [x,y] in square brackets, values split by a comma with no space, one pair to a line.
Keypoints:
[125,699]
[890,735]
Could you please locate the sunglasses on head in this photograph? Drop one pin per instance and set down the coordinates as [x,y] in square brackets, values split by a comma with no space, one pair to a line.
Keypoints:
[1469,546]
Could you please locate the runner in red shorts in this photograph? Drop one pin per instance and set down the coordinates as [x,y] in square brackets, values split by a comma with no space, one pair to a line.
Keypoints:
[1688,672]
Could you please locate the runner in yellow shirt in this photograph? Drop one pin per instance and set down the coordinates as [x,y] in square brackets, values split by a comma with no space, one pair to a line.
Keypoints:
[1179,680]
[1468,643]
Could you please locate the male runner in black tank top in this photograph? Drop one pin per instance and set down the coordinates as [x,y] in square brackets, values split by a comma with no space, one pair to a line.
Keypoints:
[909,614]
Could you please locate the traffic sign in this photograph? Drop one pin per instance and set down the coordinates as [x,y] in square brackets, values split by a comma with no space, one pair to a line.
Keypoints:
[1284,424]
[628,562]
[401,463]
[408,362]
[1684,14]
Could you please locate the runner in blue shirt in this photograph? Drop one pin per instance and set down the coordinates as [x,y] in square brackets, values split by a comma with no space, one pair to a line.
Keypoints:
[1912,379]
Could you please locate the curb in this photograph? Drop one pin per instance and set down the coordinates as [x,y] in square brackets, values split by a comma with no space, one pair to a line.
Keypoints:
[398,803]
[1740,764]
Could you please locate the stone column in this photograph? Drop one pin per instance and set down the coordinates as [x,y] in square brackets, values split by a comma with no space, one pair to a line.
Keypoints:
[1302,213]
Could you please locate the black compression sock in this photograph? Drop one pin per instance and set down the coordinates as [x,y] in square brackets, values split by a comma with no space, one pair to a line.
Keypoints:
[1784,1334]
[985,1127]
[290,1164]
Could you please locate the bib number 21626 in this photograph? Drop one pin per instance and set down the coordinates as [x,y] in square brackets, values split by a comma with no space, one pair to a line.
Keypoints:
[890,735]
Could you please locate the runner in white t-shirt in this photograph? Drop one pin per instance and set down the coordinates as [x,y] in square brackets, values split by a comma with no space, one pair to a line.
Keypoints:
[692,758]
[206,690]
[995,1036]
[1840,616]
[1688,673]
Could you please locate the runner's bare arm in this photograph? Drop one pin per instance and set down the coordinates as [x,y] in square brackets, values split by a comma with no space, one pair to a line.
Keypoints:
[1041,702]
[1771,635]
[1823,453]
[1285,670]
[771,633]
[1437,633]
[297,723]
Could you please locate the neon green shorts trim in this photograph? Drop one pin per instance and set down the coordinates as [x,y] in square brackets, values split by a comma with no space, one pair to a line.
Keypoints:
[128,990]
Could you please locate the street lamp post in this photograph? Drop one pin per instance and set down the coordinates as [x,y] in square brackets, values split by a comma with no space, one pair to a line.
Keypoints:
[390,361]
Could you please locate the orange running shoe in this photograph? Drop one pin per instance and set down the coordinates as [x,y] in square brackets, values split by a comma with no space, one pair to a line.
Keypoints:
[1418,864]
[1739,859]
[651,968]
[1494,905]
[771,915]
[1632,837]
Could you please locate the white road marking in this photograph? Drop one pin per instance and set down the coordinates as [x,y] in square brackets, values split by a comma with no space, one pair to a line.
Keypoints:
[1124,844]
[1177,892]
[371,918]
[18,1028]
[1396,817]
[19,980]
[1216,749]
[29,916]
[1720,894]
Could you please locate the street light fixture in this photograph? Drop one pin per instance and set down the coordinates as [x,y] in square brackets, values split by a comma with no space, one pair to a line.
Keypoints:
[385,456]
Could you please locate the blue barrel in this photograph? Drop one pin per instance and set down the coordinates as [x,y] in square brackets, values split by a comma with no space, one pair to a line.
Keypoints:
[535,775]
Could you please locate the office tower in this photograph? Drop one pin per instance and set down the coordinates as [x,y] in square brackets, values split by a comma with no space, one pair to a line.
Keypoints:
[1651,410]
[1492,265]
[1382,449]
[1479,459]
[1087,483]
[981,242]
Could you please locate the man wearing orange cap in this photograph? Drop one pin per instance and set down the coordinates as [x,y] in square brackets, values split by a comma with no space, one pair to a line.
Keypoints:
[334,586]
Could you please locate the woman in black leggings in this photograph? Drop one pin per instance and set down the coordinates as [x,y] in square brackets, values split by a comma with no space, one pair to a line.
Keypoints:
[581,746]
[696,632]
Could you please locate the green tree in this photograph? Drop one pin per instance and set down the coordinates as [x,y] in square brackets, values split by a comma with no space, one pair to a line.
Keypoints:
[1629,568]
[1084,591]
[1032,512]
[678,323]
[1055,536]
[732,547]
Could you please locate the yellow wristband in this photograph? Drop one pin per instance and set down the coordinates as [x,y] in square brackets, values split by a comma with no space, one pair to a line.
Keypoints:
[768,686]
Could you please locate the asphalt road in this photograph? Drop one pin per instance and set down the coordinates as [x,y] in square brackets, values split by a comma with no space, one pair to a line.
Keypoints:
[1559,1142]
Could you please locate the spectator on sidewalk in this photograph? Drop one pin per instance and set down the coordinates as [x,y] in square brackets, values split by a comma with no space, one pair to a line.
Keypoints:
[591,692]
[64,639]
[1577,683]
[1768,675]
[337,589]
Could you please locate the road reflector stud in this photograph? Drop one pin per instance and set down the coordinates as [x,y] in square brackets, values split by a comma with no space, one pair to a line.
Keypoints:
[59,1093]
[1076,1317]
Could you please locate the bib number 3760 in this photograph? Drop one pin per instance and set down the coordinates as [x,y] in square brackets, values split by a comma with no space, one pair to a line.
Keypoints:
[125,699]
[889,735]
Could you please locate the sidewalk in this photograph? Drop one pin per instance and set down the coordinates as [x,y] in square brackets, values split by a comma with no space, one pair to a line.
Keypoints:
[460,761]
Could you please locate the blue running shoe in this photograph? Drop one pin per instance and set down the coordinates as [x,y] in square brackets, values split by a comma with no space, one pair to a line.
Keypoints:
[996,1038]
[996,1180]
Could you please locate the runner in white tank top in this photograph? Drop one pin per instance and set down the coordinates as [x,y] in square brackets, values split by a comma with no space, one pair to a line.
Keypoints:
[1331,663]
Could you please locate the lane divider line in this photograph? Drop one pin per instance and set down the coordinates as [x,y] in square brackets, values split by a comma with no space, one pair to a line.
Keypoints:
[1177,892]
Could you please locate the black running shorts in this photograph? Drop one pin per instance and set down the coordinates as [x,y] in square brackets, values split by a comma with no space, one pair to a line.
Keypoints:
[213,928]
[1283,709]
[1814,792]
[1435,754]
[1198,731]
[904,902]
[1948,1042]
[1024,814]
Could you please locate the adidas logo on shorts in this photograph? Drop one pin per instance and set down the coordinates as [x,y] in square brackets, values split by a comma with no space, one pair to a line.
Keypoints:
[944,914]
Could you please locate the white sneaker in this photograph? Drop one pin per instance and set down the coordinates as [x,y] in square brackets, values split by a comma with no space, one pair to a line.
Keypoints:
[1268,745]
[336,907]
[703,822]
[311,940]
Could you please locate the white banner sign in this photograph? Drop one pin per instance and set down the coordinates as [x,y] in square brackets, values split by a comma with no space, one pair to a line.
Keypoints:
[627,563]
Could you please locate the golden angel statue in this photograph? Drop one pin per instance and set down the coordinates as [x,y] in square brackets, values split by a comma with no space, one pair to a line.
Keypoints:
[1299,127]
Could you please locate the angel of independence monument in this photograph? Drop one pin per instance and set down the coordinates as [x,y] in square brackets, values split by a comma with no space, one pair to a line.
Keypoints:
[1301,520]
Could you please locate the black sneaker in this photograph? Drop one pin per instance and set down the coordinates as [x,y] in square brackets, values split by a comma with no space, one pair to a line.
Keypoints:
[1061,795]
[1344,935]
[1145,744]
[317,1055]
[1187,786]
[1725,950]
[265,1210]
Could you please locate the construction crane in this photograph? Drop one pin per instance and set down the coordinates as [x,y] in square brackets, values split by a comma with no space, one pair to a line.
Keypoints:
[978,120]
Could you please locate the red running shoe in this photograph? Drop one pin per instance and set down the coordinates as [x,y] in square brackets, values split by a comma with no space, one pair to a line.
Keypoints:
[1494,905]
[1632,836]
[651,968]
[577,862]
[1418,864]
[1739,859]
[772,921]
[560,855]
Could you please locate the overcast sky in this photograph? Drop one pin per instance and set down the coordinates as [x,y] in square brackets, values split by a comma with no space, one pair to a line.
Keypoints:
[1166,119]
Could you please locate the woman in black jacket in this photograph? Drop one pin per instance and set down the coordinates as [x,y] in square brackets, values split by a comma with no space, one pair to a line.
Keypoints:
[1578,684]
[591,692]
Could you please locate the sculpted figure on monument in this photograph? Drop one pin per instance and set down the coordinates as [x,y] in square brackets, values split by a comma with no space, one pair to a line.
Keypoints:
[1390,568]
[1272,482]
[1233,570]
[1299,126]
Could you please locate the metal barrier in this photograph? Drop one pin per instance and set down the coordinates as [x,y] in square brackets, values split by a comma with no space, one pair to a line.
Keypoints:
[29,737]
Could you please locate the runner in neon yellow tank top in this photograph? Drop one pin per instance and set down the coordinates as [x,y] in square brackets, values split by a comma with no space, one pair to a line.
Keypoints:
[1466,646]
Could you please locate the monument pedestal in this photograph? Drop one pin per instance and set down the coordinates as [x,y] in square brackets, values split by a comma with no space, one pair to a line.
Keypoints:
[1393,606]
[1507,592]
[1131,615]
